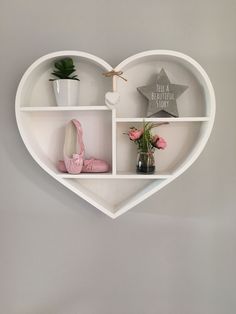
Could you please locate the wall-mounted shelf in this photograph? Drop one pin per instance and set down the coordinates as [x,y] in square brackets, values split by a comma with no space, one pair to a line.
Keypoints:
[41,124]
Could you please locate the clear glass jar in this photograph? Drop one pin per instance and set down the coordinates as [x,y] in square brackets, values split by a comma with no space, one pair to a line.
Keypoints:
[145,162]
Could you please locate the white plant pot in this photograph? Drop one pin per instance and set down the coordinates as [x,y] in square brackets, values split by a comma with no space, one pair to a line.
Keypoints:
[66,92]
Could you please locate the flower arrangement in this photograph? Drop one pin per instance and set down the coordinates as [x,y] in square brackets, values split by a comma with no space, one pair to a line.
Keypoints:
[144,139]
[147,143]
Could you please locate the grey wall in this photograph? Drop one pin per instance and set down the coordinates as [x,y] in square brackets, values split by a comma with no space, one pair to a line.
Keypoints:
[173,254]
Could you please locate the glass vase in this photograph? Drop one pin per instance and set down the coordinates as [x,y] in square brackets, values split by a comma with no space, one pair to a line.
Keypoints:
[145,162]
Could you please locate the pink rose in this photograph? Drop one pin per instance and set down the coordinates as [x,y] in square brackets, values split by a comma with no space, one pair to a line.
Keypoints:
[134,134]
[159,142]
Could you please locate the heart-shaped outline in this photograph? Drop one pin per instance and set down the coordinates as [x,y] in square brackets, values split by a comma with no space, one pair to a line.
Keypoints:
[154,187]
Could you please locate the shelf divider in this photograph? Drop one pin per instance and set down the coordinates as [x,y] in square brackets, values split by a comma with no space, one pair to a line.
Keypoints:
[58,108]
[114,141]
[181,119]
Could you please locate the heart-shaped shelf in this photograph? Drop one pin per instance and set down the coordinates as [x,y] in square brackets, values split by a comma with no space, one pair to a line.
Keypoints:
[42,124]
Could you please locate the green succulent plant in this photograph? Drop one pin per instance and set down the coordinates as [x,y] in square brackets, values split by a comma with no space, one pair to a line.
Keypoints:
[64,69]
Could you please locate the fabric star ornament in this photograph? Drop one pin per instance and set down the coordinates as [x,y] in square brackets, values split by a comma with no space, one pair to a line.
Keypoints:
[162,96]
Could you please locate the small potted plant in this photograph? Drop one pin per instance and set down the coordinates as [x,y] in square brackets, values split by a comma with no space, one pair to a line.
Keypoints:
[147,143]
[65,85]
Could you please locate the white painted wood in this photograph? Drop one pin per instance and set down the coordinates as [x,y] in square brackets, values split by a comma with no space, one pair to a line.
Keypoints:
[184,119]
[114,144]
[119,175]
[133,175]
[114,85]
[51,108]
[41,124]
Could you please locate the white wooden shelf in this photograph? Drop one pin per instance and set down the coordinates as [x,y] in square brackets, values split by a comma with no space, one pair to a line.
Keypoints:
[181,119]
[52,108]
[133,175]
[119,175]
[104,129]
[85,176]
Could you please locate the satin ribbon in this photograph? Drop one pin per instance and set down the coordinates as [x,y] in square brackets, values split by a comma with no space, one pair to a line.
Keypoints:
[88,164]
[78,159]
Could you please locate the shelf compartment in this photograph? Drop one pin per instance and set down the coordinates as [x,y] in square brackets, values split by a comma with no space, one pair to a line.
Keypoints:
[182,140]
[143,71]
[92,86]
[58,108]
[133,200]
[44,133]
[181,119]
[109,200]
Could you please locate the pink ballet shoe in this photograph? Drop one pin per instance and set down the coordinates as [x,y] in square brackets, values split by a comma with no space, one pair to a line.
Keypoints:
[90,165]
[61,166]
[95,165]
[73,147]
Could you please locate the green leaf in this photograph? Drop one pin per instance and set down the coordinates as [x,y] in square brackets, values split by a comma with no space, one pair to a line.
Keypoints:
[75,78]
[68,62]
[58,65]
[61,76]
[68,71]
[64,68]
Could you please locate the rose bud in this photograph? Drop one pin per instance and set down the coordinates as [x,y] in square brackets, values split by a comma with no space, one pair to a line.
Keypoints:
[160,143]
[134,134]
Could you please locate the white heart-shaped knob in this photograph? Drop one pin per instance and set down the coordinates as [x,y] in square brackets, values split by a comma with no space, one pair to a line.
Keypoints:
[111,99]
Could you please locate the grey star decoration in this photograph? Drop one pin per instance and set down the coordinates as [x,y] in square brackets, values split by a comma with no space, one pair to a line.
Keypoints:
[162,96]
